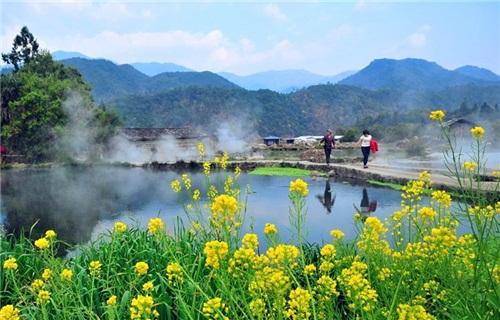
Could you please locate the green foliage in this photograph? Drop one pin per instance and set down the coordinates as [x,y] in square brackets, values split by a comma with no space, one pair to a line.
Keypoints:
[33,112]
[24,49]
[280,171]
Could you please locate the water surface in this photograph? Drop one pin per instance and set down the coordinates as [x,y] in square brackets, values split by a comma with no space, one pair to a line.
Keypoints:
[82,202]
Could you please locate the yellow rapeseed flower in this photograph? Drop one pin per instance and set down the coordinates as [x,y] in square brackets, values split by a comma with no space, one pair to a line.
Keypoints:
[66,274]
[237,172]
[407,312]
[155,225]
[437,115]
[477,132]
[299,304]
[141,307]
[175,185]
[49,234]
[9,312]
[250,241]
[214,252]
[186,180]
[270,228]
[299,187]
[46,274]
[174,272]
[148,286]
[213,307]
[120,227]
[111,301]
[442,198]
[95,267]
[309,269]
[427,213]
[337,234]
[328,251]
[470,166]
[37,284]
[206,168]
[42,243]
[10,264]
[43,296]
[141,268]
[201,150]
[196,195]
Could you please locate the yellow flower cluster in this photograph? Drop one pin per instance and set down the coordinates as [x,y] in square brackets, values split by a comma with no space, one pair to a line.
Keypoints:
[442,198]
[437,245]
[487,212]
[95,267]
[470,166]
[201,150]
[299,304]
[283,255]
[66,274]
[372,238]
[111,300]
[223,212]
[427,213]
[477,132]
[148,286]
[250,241]
[242,260]
[120,227]
[196,195]
[42,243]
[337,234]
[206,168]
[299,187]
[141,307]
[214,309]
[326,288]
[46,274]
[413,190]
[384,274]
[50,234]
[410,312]
[141,268]
[9,312]
[155,226]
[425,177]
[174,273]
[309,269]
[270,229]
[437,115]
[237,172]
[215,251]
[270,284]
[37,284]
[186,180]
[357,288]
[10,264]
[258,308]
[43,296]
[175,185]
[223,161]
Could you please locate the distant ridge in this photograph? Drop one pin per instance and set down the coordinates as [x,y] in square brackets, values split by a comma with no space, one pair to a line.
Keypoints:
[478,73]
[283,81]
[109,80]
[62,55]
[153,68]
[409,74]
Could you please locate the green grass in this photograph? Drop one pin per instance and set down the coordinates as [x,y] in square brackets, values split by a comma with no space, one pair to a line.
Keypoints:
[281,171]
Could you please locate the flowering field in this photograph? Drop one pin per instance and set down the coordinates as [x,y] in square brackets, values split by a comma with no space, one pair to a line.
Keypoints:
[213,271]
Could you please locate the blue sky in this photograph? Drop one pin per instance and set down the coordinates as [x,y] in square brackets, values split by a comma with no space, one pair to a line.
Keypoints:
[244,38]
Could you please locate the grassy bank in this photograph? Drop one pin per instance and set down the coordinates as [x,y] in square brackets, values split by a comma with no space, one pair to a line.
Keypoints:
[280,171]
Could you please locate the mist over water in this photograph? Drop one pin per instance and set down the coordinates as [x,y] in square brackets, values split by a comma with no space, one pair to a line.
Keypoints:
[82,202]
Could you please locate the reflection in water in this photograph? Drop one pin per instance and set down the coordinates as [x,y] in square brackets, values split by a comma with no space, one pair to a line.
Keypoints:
[81,203]
[327,200]
[367,206]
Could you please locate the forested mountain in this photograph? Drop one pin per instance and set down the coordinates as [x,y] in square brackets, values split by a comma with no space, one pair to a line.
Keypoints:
[283,81]
[478,73]
[153,68]
[409,74]
[109,80]
[306,111]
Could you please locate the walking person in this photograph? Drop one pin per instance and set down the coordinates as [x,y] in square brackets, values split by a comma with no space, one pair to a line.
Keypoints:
[329,144]
[365,142]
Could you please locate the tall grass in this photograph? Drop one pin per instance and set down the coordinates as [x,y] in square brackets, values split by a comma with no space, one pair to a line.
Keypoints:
[209,270]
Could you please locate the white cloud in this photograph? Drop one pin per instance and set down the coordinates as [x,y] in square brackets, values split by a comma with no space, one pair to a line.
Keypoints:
[275,13]
[419,37]
[201,51]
